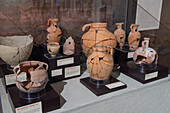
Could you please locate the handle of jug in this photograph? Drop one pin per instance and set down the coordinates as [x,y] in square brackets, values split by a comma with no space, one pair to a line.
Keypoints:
[86,25]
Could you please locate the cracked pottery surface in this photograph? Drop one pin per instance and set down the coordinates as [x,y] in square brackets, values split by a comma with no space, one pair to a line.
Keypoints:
[54,31]
[37,76]
[97,35]
[53,48]
[134,37]
[69,46]
[100,63]
[145,54]
[15,49]
[120,34]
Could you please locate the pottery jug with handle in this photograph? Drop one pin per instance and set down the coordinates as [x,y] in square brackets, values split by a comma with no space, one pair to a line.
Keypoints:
[100,63]
[54,31]
[97,35]
[134,37]
[120,35]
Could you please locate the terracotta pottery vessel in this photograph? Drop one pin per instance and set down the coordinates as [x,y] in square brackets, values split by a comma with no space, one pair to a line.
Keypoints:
[37,76]
[97,35]
[53,48]
[69,46]
[100,63]
[54,31]
[15,49]
[134,37]
[120,35]
[145,54]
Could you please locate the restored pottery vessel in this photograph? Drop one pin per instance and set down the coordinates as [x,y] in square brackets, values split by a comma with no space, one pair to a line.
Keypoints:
[54,31]
[69,46]
[134,37]
[100,63]
[145,54]
[37,76]
[97,35]
[15,49]
[53,48]
[120,35]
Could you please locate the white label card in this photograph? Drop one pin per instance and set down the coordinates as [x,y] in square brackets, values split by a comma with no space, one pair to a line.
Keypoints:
[130,54]
[56,72]
[65,61]
[10,79]
[114,85]
[31,108]
[151,75]
[72,71]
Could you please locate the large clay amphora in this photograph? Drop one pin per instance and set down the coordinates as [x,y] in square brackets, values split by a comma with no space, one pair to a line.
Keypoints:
[100,63]
[134,37]
[120,35]
[97,35]
[54,31]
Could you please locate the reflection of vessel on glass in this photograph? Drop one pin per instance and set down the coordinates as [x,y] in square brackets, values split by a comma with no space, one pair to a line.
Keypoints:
[36,76]
[97,35]
[120,35]
[54,31]
[100,63]
[145,54]
[69,46]
[134,37]
[53,48]
[17,49]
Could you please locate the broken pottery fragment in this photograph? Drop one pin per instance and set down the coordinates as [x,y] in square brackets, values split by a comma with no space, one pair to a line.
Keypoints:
[69,46]
[98,35]
[37,76]
[100,63]
[15,49]
[145,54]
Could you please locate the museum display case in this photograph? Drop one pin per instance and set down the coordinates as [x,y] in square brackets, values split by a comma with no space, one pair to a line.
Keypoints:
[50,41]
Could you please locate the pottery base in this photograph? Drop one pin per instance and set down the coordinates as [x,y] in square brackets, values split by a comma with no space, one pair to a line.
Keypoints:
[144,74]
[98,89]
[121,56]
[50,100]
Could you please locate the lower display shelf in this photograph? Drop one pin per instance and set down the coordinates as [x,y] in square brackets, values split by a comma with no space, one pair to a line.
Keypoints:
[135,98]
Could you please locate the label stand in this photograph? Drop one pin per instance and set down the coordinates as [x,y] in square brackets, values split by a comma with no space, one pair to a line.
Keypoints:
[48,101]
[62,67]
[99,87]
[3,72]
[144,74]
[121,56]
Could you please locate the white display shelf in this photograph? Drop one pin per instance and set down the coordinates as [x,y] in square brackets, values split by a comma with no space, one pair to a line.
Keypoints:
[136,98]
